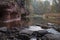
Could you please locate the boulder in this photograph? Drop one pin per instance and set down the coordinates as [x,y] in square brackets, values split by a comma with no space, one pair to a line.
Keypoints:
[40,33]
[51,37]
[43,32]
[52,31]
[57,28]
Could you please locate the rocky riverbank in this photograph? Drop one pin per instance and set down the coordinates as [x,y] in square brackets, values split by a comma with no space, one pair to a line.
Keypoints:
[30,33]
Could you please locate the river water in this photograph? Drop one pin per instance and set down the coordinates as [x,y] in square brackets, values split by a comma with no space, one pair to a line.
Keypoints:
[39,20]
[37,28]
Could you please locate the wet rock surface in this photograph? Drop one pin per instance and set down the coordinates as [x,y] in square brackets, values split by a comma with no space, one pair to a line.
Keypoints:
[29,34]
[57,28]
[51,37]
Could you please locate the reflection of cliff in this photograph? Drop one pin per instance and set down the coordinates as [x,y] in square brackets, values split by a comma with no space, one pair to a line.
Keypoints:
[51,17]
[11,15]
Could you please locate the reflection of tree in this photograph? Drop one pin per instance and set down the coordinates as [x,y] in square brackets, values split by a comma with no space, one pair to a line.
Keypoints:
[41,7]
[24,6]
[56,6]
[46,7]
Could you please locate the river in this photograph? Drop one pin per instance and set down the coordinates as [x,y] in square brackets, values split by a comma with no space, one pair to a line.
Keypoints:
[38,20]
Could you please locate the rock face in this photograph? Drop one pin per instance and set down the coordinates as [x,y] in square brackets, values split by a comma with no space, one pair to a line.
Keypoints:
[51,37]
[57,28]
[13,14]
